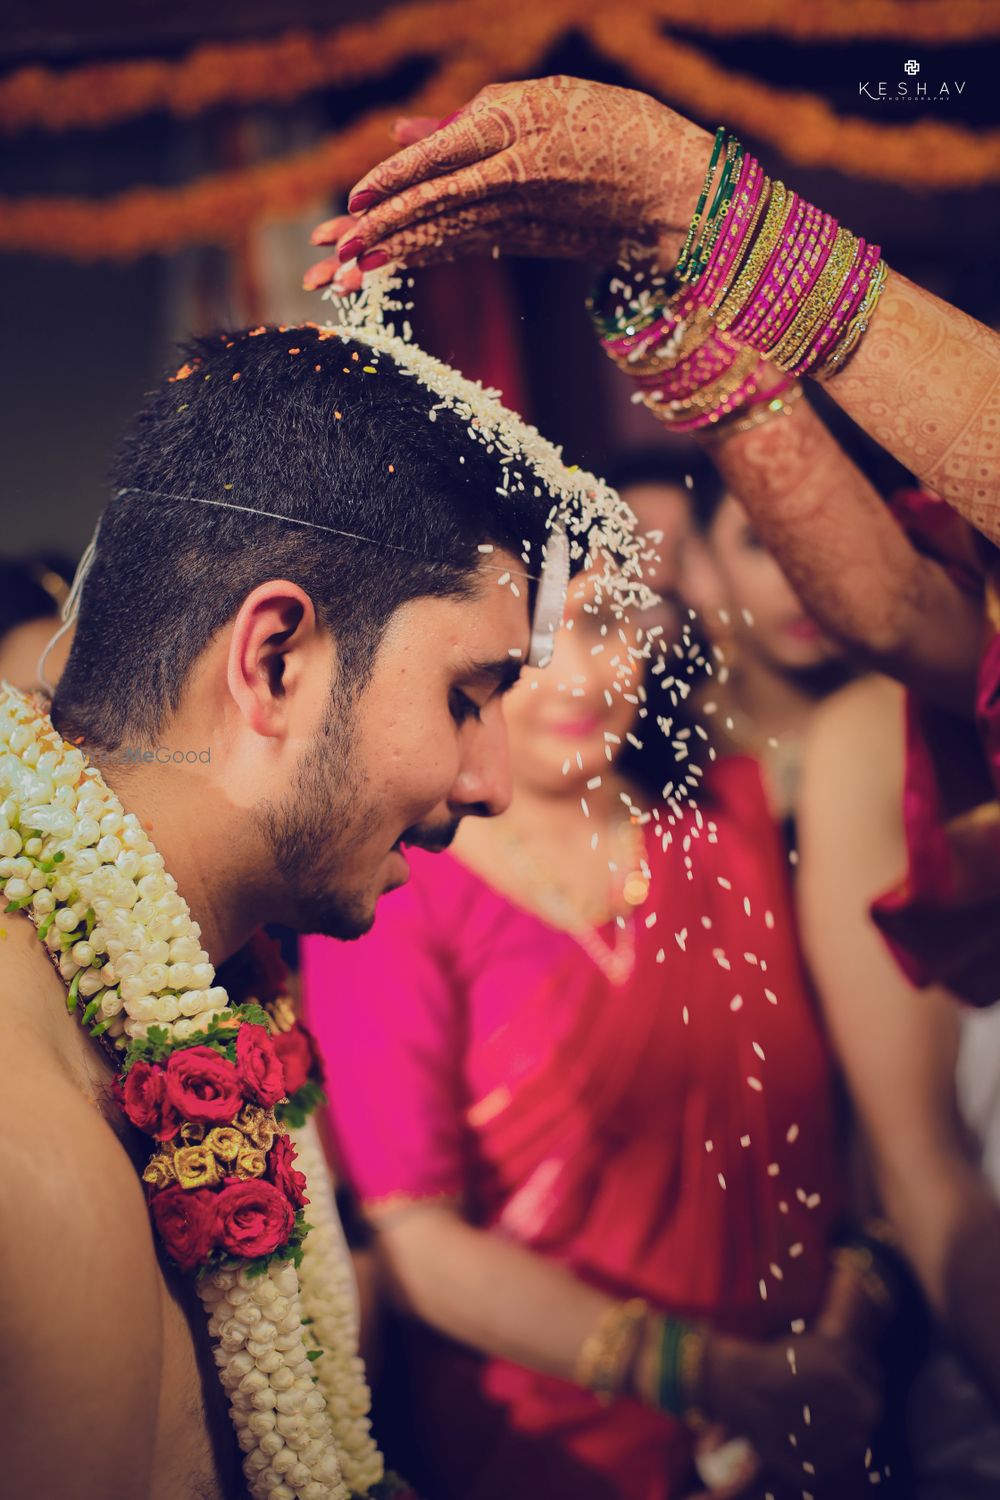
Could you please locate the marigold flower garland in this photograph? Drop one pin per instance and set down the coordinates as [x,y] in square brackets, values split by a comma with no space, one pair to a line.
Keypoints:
[482,44]
[204,1080]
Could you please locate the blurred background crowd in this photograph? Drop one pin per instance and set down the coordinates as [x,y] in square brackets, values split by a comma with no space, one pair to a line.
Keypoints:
[745,1114]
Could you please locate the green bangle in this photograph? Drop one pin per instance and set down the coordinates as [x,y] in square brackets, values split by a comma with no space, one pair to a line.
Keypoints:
[669,1396]
[699,256]
[632,316]
[715,226]
[720,136]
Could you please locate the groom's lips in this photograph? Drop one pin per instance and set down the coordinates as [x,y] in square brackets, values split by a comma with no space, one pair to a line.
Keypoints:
[432,844]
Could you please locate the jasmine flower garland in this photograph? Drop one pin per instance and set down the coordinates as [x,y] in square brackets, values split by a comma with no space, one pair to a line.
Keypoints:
[201,1078]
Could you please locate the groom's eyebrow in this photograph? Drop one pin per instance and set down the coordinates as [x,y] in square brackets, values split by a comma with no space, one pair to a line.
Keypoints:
[502,672]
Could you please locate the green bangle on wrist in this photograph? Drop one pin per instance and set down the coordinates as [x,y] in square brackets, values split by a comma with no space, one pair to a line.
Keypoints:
[720,136]
[681,1352]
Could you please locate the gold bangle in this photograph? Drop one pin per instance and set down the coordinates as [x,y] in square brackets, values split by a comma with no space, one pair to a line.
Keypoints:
[729,310]
[858,324]
[765,411]
[602,1363]
[807,308]
[807,357]
[807,319]
[806,324]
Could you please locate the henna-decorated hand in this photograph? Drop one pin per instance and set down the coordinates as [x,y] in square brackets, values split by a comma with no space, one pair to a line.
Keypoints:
[550,167]
[820,1394]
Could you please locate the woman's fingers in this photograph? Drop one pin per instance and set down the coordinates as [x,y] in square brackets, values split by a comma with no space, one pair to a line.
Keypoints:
[409,129]
[332,230]
[475,185]
[323,273]
[471,137]
[483,229]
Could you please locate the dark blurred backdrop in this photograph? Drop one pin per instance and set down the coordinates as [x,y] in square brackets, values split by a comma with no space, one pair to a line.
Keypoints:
[86,329]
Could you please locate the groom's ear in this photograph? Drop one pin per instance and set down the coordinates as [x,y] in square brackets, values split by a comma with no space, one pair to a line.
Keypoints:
[276,650]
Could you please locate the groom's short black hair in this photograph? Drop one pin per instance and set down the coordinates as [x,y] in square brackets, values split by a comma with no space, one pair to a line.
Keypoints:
[295,422]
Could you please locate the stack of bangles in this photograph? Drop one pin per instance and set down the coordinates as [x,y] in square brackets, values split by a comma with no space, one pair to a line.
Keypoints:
[608,1357]
[763,278]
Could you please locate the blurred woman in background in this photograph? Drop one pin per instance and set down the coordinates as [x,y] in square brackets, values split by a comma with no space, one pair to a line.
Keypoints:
[603,1168]
[32,590]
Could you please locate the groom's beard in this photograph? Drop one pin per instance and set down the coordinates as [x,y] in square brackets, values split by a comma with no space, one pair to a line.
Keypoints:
[315,830]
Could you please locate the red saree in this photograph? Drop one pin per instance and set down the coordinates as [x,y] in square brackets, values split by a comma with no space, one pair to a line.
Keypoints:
[672,1138]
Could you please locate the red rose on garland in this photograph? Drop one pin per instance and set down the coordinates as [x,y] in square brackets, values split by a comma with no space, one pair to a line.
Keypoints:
[259,1065]
[284,1173]
[187,1223]
[295,1050]
[203,1086]
[254,1217]
[143,1098]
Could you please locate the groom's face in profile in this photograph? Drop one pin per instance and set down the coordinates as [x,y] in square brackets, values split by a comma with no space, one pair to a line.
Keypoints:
[419,745]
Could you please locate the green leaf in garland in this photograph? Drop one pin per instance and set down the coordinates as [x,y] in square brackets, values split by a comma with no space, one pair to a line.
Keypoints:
[73,992]
[296,1110]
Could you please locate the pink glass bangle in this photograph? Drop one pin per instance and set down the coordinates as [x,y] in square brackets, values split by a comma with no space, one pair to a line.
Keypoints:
[773,276]
[852,295]
[730,241]
[692,423]
[801,282]
[750,220]
[628,344]
[705,364]
[761,310]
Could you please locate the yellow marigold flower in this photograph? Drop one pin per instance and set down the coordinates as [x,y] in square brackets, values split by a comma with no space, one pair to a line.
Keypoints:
[192,1132]
[259,1124]
[159,1172]
[196,1167]
[250,1163]
[225,1142]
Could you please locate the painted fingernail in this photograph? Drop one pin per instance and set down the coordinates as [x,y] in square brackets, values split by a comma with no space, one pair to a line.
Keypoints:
[362,201]
[372,260]
[449,118]
[351,249]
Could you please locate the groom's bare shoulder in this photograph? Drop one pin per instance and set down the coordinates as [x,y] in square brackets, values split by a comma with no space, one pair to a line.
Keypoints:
[79,1290]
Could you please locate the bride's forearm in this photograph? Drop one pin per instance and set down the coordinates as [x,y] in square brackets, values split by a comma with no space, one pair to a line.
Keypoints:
[486,1291]
[838,543]
[925,384]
